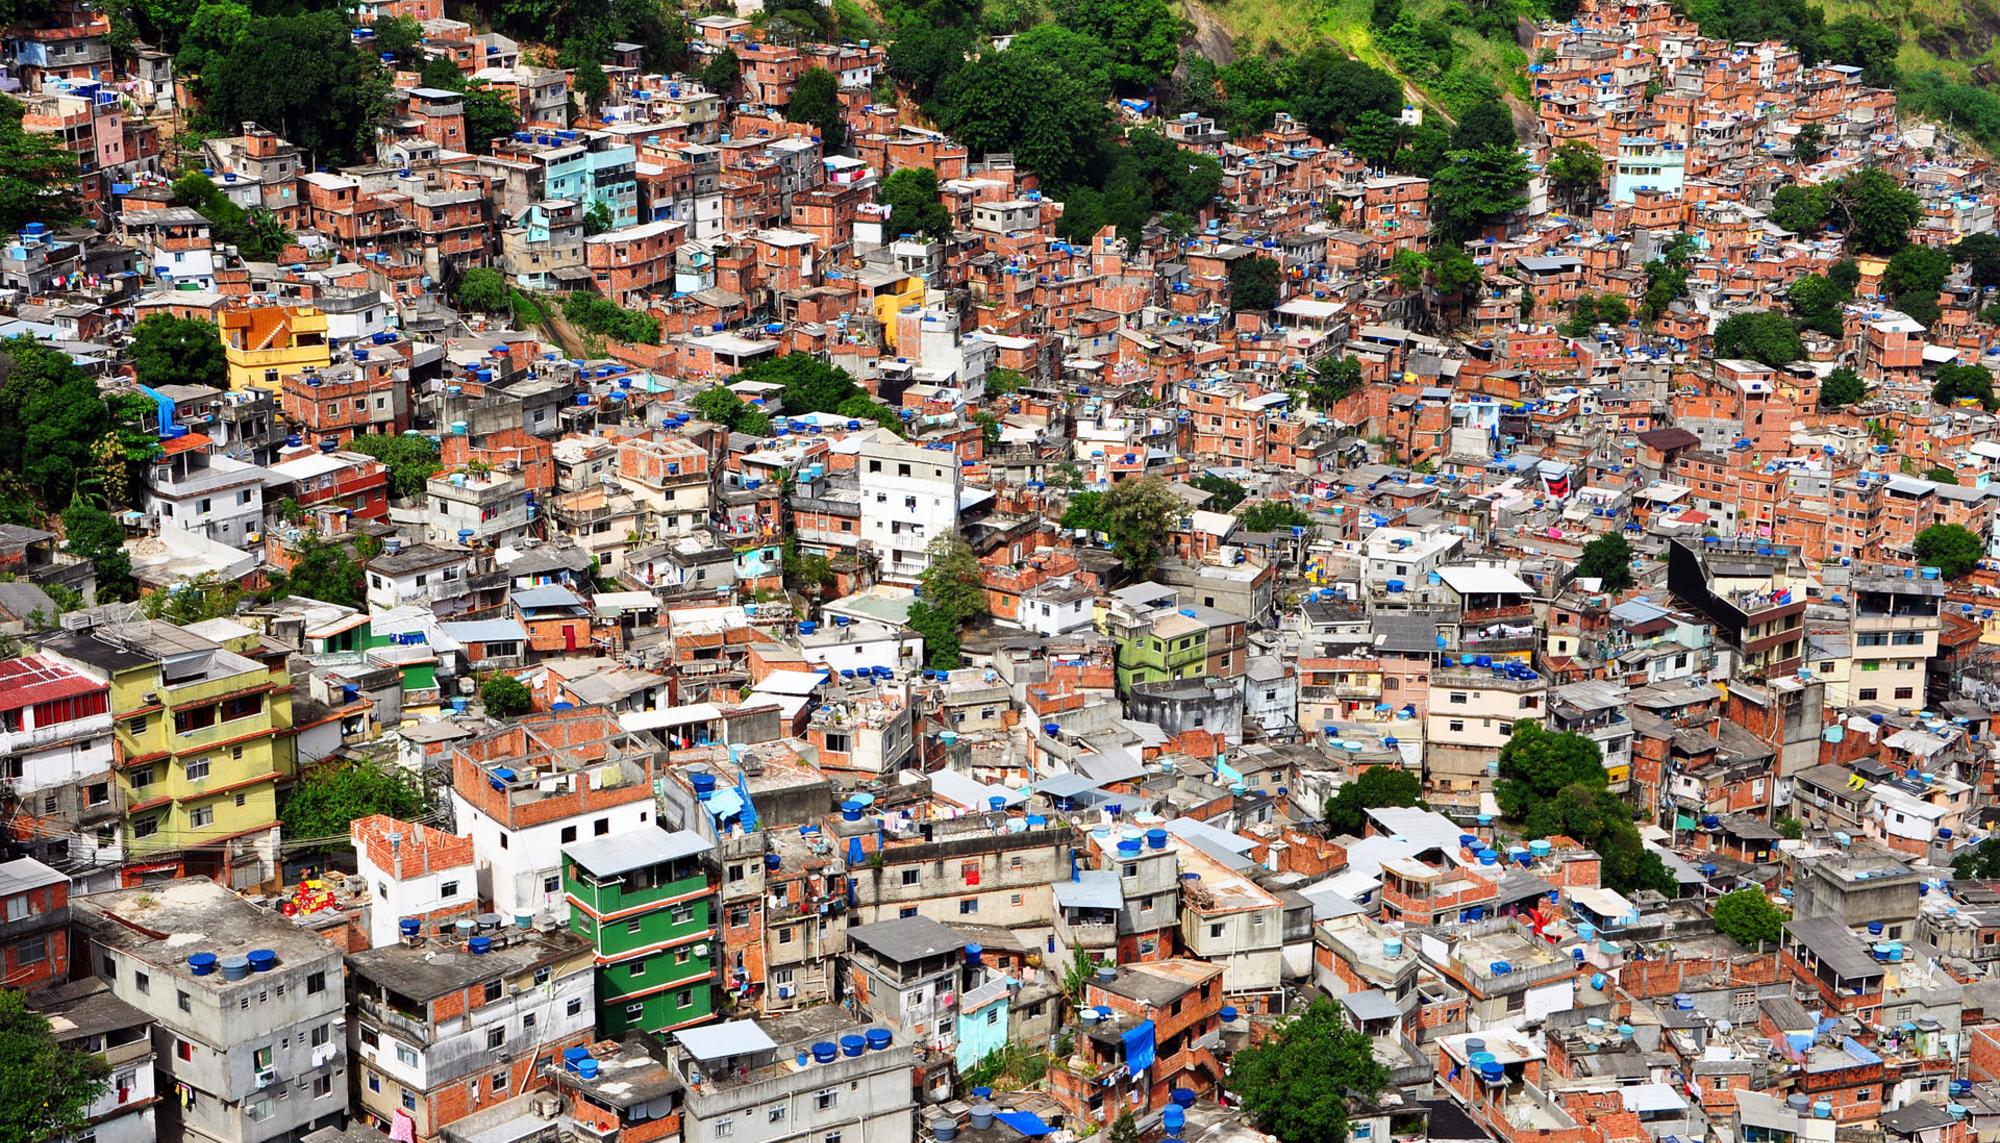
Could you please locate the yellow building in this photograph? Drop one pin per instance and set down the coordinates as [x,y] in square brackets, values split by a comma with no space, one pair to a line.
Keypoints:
[266,344]
[203,737]
[889,296]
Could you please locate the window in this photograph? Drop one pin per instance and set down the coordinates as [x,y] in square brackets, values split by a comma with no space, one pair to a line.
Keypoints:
[636,968]
[406,1055]
[724,1127]
[550,884]
[182,1001]
[542,975]
[315,983]
[992,1017]
[635,924]
[492,990]
[681,914]
[409,1101]
[575,1007]
[142,982]
[568,834]
[910,876]
[322,1086]
[601,826]
[826,1100]
[1866,694]
[448,890]
[777,1114]
[497,1081]
[183,1051]
[1215,931]
[528,1023]
[320,1035]
[684,998]
[968,907]
[201,817]
[374,1082]
[261,1058]
[496,1037]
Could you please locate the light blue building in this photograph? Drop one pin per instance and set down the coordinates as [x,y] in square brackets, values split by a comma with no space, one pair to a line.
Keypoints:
[982,1020]
[1645,163]
[588,167]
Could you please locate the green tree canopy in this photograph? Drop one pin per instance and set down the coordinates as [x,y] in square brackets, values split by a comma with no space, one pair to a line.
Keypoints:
[1253,284]
[46,1089]
[1954,383]
[1301,1084]
[1576,169]
[1488,124]
[601,315]
[1953,549]
[302,77]
[51,416]
[1816,301]
[1475,188]
[410,458]
[1916,270]
[1978,863]
[810,384]
[1537,762]
[816,100]
[1223,493]
[1758,335]
[952,597]
[1328,90]
[1981,252]
[923,56]
[97,536]
[1333,379]
[1748,917]
[168,350]
[1877,211]
[911,194]
[505,696]
[483,290]
[37,176]
[1023,102]
[1138,514]
[1801,207]
[1141,36]
[1346,811]
[1843,386]
[323,571]
[328,797]
[1273,516]
[1607,558]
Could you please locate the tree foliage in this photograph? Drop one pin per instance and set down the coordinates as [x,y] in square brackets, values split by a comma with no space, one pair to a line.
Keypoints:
[1978,863]
[1334,379]
[326,798]
[601,315]
[1758,335]
[1142,37]
[168,350]
[37,176]
[816,100]
[97,536]
[1843,386]
[1576,169]
[1801,207]
[1346,811]
[322,570]
[505,696]
[952,596]
[911,194]
[1475,188]
[256,234]
[1253,284]
[1876,210]
[1953,549]
[51,416]
[411,459]
[1273,516]
[1138,513]
[1748,917]
[1301,1084]
[483,290]
[1023,102]
[1954,383]
[302,77]
[1607,558]
[47,1088]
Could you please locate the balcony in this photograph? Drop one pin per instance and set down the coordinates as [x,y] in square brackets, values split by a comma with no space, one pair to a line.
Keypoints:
[379,1013]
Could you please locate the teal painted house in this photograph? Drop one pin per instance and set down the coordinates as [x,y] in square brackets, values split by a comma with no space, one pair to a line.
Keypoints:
[982,1018]
[646,903]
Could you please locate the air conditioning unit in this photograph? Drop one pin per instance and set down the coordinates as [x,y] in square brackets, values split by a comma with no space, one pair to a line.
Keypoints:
[266,1077]
[700,949]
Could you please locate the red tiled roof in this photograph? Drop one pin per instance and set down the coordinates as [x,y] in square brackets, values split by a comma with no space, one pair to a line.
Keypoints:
[33,679]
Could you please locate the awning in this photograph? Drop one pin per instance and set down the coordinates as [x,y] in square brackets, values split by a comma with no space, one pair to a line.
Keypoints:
[1026,1122]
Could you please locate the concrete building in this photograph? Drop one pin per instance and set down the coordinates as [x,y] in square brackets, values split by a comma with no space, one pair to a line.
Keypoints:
[247,1008]
[544,782]
[909,973]
[444,1024]
[813,1077]
[34,924]
[910,496]
[84,1016]
[56,752]
[416,872]
[645,900]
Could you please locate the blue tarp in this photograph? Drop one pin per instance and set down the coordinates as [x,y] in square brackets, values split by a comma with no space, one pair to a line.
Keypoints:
[1026,1122]
[1139,1047]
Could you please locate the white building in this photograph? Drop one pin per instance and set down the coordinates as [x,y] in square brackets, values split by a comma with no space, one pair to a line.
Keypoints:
[909,497]
[56,752]
[414,872]
[844,644]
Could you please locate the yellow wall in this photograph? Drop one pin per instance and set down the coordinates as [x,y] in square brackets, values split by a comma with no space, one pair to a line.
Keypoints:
[236,752]
[253,368]
[908,292]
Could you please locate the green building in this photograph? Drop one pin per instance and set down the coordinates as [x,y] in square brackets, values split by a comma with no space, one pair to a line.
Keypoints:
[646,902]
[1172,646]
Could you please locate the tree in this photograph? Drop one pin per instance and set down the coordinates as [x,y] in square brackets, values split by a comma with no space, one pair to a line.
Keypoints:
[326,798]
[1982,253]
[810,385]
[1916,270]
[485,291]
[1953,549]
[50,418]
[1084,513]
[597,218]
[1800,209]
[1488,124]
[1024,103]
[1816,302]
[1375,137]
[1253,284]
[1758,335]
[323,571]
[1334,379]
[1607,558]
[1080,55]
[952,596]
[399,36]
[1877,211]
[302,77]
[1004,382]
[588,81]
[601,315]
[46,1089]
[1843,386]
[719,74]
[923,56]
[505,696]
[1328,90]
[410,458]
[256,234]
[37,176]
[1142,36]
[1272,516]
[911,194]
[97,536]
[206,596]
[1138,514]
[1536,763]
[1300,1084]
[488,116]
[1789,828]
[1123,1130]
[816,100]
[1576,169]
[1475,188]
[1939,474]
[1979,863]
[1954,383]
[1346,811]
[1808,142]
[168,350]
[1223,493]
[1748,917]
